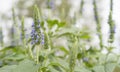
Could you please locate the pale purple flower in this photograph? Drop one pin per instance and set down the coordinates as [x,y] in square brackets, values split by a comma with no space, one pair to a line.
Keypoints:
[36,36]
[85,59]
[42,38]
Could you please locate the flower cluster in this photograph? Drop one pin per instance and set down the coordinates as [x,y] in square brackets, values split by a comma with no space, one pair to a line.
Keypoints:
[36,35]
[85,59]
[22,35]
[50,4]
[42,38]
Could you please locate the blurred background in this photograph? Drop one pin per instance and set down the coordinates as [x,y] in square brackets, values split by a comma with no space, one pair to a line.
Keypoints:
[73,12]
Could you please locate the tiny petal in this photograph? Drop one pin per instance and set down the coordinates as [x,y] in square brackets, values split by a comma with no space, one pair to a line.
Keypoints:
[38,26]
[32,43]
[33,24]
[36,41]
[37,36]
[42,38]
[85,59]
[42,35]
[42,42]
[38,21]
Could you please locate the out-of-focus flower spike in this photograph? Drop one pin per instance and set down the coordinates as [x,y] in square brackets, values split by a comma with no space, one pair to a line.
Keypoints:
[111,23]
[96,16]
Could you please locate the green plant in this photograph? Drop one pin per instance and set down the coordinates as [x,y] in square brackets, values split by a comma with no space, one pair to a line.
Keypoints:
[42,51]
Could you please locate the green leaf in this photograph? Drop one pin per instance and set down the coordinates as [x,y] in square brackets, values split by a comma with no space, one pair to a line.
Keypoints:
[79,55]
[81,69]
[63,49]
[7,68]
[61,24]
[110,67]
[67,32]
[15,57]
[61,63]
[51,23]
[98,69]
[52,69]
[26,66]
[112,58]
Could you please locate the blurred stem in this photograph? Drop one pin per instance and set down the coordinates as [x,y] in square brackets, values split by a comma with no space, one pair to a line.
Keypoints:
[81,7]
[14,18]
[14,23]
[1,38]
[47,41]
[111,5]
[111,23]
[36,16]
[106,61]
[99,33]
[109,51]
[40,14]
[14,29]
[30,53]
[112,31]
[37,54]
[23,31]
[73,54]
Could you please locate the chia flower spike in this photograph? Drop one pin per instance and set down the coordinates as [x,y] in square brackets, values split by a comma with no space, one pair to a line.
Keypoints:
[81,6]
[22,30]
[42,39]
[37,37]
[111,24]
[96,16]
[34,35]
[1,37]
[85,59]
[50,4]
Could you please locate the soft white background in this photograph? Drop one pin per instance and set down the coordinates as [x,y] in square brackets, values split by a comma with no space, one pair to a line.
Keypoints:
[5,6]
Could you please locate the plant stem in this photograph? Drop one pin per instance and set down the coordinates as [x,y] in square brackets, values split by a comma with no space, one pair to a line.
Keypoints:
[98,24]
[30,53]
[111,23]
[73,54]
[37,54]
[81,7]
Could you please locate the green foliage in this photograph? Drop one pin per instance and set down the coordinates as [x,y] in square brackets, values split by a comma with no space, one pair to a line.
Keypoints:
[76,54]
[51,23]
[23,66]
